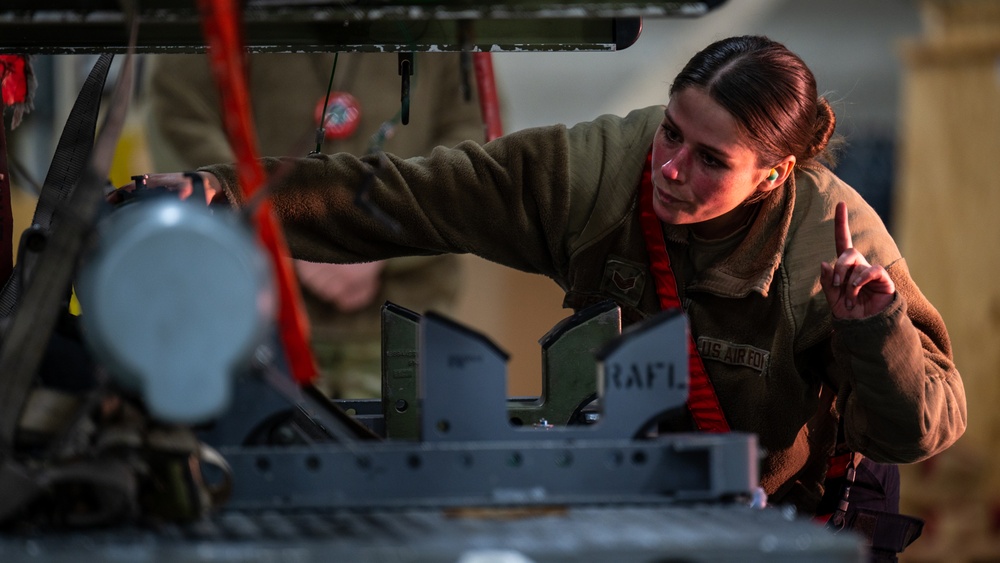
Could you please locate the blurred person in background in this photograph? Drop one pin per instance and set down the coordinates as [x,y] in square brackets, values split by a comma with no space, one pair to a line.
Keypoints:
[362,107]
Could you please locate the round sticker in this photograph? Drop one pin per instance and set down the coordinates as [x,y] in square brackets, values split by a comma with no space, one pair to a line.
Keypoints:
[343,113]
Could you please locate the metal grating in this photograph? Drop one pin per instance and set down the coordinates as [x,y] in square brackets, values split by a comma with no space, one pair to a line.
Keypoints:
[707,533]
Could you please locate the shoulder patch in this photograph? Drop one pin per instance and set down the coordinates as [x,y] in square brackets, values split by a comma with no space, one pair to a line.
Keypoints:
[623,280]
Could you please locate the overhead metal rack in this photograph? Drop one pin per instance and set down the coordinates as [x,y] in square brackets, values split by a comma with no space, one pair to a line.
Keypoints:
[89,26]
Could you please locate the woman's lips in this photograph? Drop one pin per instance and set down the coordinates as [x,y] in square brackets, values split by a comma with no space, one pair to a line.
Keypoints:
[663,197]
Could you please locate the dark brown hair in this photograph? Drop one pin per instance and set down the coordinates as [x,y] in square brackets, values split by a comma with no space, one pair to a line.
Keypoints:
[769,91]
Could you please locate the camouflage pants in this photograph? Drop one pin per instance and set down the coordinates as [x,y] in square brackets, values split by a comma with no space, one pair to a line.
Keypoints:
[349,370]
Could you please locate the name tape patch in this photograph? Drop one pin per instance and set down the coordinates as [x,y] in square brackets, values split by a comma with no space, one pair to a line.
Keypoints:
[733,354]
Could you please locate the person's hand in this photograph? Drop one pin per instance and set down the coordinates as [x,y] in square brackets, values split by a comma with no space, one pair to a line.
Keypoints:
[349,287]
[179,182]
[854,288]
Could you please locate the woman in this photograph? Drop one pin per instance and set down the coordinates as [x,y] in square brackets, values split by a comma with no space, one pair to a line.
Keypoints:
[801,307]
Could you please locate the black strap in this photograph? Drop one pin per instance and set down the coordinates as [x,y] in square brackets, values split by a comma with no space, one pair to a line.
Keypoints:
[6,213]
[68,162]
[838,519]
[33,320]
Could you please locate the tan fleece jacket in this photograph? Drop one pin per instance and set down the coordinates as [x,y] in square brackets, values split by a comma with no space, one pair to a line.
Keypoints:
[563,202]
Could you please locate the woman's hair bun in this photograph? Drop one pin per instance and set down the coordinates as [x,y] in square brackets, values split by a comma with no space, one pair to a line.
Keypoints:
[826,122]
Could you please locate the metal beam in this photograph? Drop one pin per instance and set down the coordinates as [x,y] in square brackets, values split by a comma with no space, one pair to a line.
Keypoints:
[91,26]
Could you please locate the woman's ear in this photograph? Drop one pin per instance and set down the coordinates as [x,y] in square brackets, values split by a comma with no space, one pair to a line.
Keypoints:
[778,174]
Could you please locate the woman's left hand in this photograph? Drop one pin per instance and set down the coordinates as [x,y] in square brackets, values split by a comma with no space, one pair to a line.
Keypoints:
[854,288]
[178,182]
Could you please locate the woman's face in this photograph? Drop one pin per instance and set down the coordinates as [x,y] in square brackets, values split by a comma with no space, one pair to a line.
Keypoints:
[702,168]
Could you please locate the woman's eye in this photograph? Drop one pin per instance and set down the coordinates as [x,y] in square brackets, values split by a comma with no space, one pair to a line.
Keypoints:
[710,160]
[671,134]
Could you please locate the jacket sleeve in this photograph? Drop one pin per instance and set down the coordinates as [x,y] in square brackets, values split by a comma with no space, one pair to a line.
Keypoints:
[506,201]
[899,394]
[903,399]
[522,200]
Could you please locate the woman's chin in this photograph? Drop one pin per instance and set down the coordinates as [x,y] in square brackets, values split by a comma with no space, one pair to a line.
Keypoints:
[667,214]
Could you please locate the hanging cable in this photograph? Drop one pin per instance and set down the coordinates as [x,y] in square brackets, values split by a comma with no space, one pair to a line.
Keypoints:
[321,130]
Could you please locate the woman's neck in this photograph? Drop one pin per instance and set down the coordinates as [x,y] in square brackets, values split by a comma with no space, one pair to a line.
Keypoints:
[726,224]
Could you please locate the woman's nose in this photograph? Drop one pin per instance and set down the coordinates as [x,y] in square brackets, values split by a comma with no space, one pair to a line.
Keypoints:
[671,170]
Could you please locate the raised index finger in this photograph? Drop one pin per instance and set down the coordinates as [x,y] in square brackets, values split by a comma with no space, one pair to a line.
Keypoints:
[842,231]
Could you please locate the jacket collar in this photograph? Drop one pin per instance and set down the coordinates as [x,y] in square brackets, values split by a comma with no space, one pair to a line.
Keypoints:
[752,265]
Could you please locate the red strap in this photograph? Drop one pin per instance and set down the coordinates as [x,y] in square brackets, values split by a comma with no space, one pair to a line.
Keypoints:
[13,80]
[822,518]
[221,25]
[837,465]
[702,400]
[489,103]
